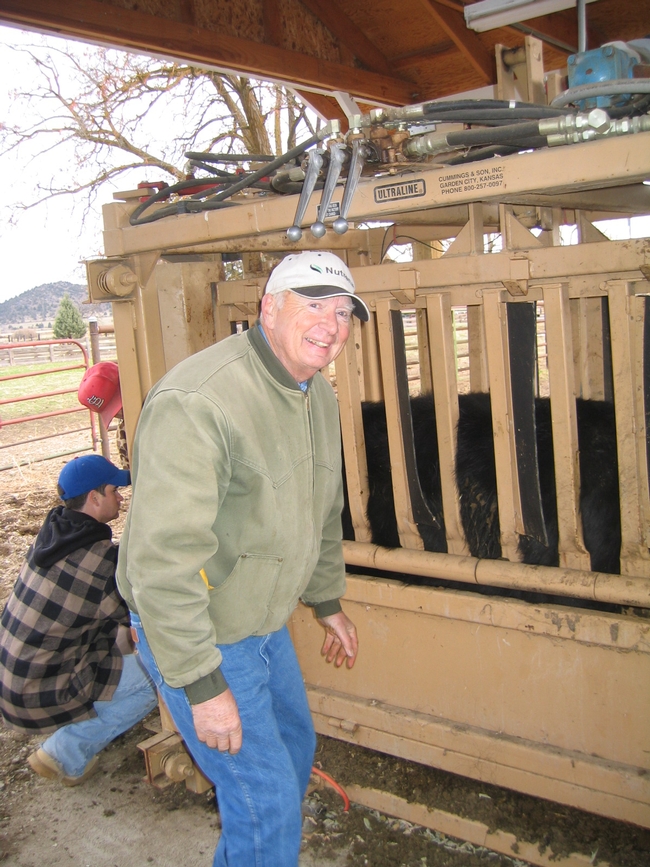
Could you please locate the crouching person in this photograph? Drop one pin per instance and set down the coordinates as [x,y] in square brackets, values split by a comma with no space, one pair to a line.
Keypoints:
[66,667]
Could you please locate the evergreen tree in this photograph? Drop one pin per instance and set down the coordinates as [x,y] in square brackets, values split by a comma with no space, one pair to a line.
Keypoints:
[68,321]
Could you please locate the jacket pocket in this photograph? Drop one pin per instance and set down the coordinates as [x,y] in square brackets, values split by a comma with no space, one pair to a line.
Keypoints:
[240,605]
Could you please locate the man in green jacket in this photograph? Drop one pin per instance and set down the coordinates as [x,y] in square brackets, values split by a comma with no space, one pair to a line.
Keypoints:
[235,517]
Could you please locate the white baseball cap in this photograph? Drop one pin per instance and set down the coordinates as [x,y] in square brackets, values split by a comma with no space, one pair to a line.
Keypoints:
[316,275]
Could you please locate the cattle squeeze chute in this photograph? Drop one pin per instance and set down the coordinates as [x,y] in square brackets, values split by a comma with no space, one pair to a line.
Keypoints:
[518,690]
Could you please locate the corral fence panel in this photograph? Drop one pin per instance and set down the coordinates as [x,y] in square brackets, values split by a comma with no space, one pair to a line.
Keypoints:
[32,414]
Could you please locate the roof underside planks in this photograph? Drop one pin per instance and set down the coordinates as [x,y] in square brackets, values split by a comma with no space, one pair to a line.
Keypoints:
[383,52]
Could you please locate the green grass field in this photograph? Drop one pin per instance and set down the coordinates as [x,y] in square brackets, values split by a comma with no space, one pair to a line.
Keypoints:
[46,378]
[27,443]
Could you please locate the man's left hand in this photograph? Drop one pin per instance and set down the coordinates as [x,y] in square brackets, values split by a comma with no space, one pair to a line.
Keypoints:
[341,642]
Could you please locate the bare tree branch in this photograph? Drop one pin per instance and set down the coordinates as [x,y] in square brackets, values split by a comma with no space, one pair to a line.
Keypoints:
[109,114]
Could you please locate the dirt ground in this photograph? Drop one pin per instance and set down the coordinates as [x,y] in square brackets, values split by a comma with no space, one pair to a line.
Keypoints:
[117,820]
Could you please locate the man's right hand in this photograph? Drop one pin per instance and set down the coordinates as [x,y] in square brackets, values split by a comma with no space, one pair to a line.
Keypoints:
[217,723]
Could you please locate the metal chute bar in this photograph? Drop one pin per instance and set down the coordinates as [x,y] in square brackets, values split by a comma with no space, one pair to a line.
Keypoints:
[522,340]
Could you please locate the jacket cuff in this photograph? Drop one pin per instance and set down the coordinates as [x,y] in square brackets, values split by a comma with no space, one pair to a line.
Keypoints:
[207,687]
[324,609]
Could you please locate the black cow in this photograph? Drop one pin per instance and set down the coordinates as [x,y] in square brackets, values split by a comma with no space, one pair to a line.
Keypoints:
[599,494]
[476,482]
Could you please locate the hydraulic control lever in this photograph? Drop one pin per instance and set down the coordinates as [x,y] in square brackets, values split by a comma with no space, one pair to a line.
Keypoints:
[359,155]
[294,233]
[337,158]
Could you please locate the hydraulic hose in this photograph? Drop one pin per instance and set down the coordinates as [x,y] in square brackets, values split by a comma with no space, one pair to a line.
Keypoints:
[216,202]
[602,88]
[185,206]
[229,158]
[554,131]
[135,218]
[513,133]
[424,111]
[523,135]
[489,117]
[270,167]
[500,115]
[485,153]
[640,105]
[462,104]
[220,173]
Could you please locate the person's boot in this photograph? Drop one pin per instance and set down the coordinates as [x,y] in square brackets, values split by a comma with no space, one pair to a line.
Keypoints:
[45,766]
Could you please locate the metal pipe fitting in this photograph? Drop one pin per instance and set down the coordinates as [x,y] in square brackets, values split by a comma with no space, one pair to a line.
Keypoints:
[427,144]
[405,114]
[589,126]
[574,125]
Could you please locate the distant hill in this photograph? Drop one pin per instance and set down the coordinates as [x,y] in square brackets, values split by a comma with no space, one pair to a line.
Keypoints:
[38,306]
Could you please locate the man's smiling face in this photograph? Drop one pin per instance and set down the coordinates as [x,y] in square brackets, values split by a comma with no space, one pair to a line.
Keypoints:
[306,334]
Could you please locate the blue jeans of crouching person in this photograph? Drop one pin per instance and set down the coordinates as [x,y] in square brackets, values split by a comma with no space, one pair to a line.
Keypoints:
[74,745]
[260,789]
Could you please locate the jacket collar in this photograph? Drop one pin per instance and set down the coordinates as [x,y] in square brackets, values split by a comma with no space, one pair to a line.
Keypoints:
[270,360]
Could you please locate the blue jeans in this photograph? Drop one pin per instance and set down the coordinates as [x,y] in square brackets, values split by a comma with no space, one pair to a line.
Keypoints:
[260,790]
[74,745]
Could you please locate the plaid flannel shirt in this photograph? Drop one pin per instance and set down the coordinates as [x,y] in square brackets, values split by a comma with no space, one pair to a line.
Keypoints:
[57,640]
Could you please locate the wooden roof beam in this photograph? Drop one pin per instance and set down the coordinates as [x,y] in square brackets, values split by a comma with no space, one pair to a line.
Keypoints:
[325,106]
[560,29]
[346,31]
[137,31]
[187,11]
[426,55]
[467,42]
[272,22]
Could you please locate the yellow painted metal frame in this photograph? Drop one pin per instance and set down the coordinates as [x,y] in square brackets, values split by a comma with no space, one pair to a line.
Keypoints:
[552,701]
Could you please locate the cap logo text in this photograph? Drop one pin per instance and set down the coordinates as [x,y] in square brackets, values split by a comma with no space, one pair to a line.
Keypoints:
[338,272]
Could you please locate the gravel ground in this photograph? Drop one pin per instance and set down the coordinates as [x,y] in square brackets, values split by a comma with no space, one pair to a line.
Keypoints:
[117,820]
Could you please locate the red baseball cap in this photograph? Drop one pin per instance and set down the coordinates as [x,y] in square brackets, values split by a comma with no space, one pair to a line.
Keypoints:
[99,390]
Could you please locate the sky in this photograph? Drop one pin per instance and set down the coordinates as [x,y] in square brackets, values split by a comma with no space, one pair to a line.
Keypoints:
[45,247]
[48,243]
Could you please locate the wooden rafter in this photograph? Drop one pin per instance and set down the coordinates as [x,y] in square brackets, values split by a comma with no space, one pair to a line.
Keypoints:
[467,42]
[187,11]
[562,28]
[426,55]
[323,105]
[137,31]
[332,15]
[272,22]
[377,62]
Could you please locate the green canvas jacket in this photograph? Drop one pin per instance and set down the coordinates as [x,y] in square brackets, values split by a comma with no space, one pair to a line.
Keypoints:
[235,515]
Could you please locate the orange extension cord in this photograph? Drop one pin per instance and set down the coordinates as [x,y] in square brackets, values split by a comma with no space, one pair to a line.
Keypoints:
[334,785]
